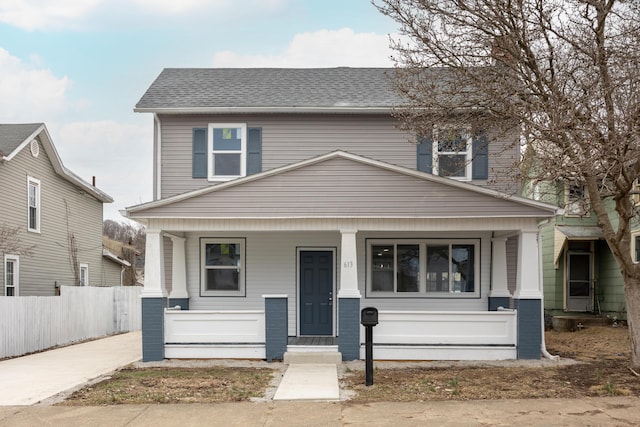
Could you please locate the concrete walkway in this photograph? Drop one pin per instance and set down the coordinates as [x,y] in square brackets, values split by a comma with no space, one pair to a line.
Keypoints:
[309,382]
[30,379]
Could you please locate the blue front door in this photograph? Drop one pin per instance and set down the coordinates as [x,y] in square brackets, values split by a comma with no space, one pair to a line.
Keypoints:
[316,293]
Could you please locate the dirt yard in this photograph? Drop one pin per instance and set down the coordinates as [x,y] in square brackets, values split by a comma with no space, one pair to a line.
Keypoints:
[602,354]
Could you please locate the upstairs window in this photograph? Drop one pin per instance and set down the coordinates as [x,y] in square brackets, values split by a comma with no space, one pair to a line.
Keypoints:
[33,203]
[576,200]
[224,151]
[227,150]
[452,154]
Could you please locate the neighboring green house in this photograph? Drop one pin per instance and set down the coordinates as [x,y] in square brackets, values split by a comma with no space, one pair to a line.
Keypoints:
[56,213]
[580,274]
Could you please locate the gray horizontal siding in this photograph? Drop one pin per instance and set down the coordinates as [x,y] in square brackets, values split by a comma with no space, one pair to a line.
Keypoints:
[64,209]
[341,187]
[289,139]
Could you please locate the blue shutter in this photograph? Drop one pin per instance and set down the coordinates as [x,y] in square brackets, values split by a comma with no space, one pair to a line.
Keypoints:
[199,153]
[425,155]
[480,162]
[254,150]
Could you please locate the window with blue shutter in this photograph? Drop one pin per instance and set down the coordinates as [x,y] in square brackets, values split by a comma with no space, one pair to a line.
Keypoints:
[222,152]
[454,154]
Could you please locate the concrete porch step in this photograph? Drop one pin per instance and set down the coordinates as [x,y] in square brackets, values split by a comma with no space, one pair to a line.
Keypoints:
[314,357]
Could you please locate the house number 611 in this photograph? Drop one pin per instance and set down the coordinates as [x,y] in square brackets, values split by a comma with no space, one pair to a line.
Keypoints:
[348,264]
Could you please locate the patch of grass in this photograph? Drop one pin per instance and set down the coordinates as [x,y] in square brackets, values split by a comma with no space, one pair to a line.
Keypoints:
[175,385]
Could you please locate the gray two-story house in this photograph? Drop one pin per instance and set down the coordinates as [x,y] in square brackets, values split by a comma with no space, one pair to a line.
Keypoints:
[287,200]
[47,209]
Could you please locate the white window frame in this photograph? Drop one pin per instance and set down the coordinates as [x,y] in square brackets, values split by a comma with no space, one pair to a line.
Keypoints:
[35,183]
[635,235]
[240,292]
[84,274]
[464,133]
[422,278]
[211,152]
[576,208]
[15,260]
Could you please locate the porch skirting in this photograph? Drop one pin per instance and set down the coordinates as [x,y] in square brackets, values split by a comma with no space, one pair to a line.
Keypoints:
[215,351]
[438,352]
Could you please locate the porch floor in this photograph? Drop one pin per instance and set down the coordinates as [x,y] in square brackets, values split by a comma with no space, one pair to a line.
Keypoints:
[311,341]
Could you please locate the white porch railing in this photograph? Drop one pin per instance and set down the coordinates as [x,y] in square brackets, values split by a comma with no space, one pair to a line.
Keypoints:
[214,334]
[449,335]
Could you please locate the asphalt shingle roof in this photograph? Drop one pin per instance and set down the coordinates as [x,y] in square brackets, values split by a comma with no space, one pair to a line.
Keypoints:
[12,135]
[194,88]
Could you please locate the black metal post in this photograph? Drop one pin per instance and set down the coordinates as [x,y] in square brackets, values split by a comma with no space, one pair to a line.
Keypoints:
[369,355]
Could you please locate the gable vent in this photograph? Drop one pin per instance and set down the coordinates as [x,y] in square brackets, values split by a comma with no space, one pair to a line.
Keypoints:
[35,148]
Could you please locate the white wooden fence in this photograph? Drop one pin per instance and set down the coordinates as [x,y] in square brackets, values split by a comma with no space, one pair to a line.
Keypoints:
[30,324]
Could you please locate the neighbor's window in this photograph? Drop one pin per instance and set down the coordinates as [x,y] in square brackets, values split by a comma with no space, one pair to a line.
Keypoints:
[422,267]
[11,275]
[452,153]
[33,203]
[636,247]
[227,150]
[576,200]
[84,274]
[222,267]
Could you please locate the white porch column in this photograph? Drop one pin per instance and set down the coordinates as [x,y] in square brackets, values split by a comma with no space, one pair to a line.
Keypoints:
[348,266]
[499,280]
[179,270]
[154,286]
[528,277]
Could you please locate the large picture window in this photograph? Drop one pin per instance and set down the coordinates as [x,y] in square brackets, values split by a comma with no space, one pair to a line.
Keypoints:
[227,150]
[422,268]
[222,264]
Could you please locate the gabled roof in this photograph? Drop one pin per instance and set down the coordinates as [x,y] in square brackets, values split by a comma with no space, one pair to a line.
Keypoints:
[15,137]
[189,90]
[341,184]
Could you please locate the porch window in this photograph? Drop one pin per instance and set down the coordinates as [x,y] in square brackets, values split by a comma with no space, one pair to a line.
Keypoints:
[222,263]
[227,144]
[422,268]
[33,203]
[11,276]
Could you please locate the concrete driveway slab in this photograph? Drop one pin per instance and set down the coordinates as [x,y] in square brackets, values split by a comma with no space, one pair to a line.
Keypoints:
[31,379]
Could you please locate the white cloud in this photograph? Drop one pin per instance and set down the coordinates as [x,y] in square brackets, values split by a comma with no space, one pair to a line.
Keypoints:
[27,93]
[34,15]
[322,48]
[37,14]
[119,155]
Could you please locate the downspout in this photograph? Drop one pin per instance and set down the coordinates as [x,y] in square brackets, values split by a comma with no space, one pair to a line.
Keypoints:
[158,160]
[543,345]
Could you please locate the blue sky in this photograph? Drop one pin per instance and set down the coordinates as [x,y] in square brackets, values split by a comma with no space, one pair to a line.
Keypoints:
[80,66]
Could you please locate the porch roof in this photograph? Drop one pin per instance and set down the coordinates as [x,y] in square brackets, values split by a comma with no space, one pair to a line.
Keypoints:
[342,185]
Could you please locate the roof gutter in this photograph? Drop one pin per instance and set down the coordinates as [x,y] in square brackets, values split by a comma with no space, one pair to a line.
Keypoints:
[245,110]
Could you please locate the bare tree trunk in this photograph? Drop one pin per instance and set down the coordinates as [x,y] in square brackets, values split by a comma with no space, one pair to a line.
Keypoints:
[632,294]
